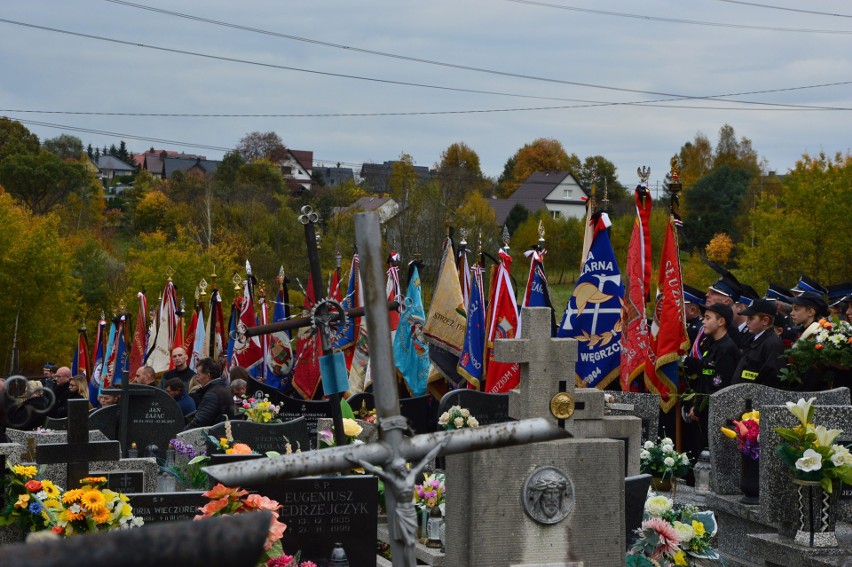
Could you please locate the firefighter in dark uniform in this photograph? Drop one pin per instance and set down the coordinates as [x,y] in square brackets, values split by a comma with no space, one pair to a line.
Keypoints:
[762,357]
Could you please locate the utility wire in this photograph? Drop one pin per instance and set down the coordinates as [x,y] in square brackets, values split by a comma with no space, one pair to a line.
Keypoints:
[799,10]
[386,81]
[679,21]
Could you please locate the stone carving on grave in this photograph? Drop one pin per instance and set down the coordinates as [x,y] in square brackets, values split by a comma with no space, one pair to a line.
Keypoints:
[548,495]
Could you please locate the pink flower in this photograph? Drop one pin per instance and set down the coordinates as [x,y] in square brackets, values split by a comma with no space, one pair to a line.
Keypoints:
[258,502]
[281,561]
[308,564]
[666,534]
[276,532]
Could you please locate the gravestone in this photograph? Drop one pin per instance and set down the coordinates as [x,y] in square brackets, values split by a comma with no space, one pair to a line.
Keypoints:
[644,406]
[124,481]
[591,421]
[255,387]
[311,410]
[56,424]
[420,413]
[160,507]
[369,431]
[486,408]
[559,502]
[264,437]
[362,404]
[154,418]
[320,511]
[730,403]
[635,494]
[105,420]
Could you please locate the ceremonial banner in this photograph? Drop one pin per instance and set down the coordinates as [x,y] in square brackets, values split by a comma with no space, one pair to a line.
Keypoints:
[446,321]
[96,379]
[233,320]
[348,335]
[200,339]
[120,359]
[410,350]
[109,356]
[188,343]
[537,293]
[306,375]
[140,336]
[504,323]
[279,363]
[464,276]
[247,350]
[670,341]
[593,313]
[80,361]
[472,362]
[393,289]
[159,355]
[636,338]
[214,332]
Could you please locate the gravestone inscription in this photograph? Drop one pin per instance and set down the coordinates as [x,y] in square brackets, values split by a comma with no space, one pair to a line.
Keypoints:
[167,506]
[311,410]
[264,437]
[153,419]
[123,481]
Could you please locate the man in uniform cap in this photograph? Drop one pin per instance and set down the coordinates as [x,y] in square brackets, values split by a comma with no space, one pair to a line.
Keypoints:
[838,301]
[762,357]
[693,303]
[808,309]
[727,290]
[808,284]
[778,292]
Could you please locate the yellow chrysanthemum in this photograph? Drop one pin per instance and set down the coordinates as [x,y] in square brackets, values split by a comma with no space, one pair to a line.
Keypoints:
[72,496]
[53,504]
[24,471]
[123,498]
[93,501]
[69,516]
[680,558]
[102,516]
[50,489]
[698,528]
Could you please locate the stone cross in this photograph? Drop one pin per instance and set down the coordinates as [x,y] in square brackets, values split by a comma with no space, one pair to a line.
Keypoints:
[393,450]
[78,452]
[547,378]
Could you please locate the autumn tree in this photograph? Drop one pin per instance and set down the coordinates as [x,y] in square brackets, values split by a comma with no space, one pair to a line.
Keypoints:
[459,175]
[64,146]
[604,172]
[719,248]
[715,201]
[696,160]
[261,145]
[42,181]
[733,152]
[16,139]
[543,154]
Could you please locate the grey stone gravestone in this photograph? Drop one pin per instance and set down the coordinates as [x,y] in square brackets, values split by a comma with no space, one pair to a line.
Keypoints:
[57,424]
[590,421]
[486,408]
[159,507]
[729,404]
[644,406]
[320,511]
[264,437]
[292,408]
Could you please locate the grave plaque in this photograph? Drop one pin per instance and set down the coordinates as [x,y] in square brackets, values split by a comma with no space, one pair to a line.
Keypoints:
[420,413]
[167,506]
[321,511]
[123,481]
[486,408]
[264,437]
[153,418]
[292,408]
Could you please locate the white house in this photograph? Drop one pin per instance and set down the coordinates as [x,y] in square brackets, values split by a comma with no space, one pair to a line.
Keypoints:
[557,191]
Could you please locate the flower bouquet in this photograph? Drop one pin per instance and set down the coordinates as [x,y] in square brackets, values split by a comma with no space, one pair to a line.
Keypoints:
[809,451]
[30,504]
[672,535]
[829,348]
[431,492]
[259,409]
[457,417]
[747,434]
[351,429]
[661,460]
[187,468]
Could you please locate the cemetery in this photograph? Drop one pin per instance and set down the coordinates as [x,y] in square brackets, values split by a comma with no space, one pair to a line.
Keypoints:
[547,474]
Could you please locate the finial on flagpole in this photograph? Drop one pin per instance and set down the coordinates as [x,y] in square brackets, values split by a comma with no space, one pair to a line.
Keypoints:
[541,232]
[644,173]
[338,258]
[202,287]
[169,272]
[506,237]
[213,277]
[237,280]
[248,269]
[463,235]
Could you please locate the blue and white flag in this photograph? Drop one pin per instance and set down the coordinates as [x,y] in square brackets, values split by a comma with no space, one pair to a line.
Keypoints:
[472,361]
[593,315]
[410,350]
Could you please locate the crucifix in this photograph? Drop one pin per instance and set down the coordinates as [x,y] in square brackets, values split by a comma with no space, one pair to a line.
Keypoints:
[78,452]
[394,449]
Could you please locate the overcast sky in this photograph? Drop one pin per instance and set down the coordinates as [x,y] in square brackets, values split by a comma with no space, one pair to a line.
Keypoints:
[738,47]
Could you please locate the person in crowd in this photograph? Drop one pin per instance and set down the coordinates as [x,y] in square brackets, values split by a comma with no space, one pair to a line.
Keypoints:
[216,402]
[808,309]
[693,301]
[61,390]
[79,389]
[48,370]
[762,357]
[145,376]
[238,390]
[108,399]
[181,369]
[177,390]
[240,373]
[727,291]
[27,412]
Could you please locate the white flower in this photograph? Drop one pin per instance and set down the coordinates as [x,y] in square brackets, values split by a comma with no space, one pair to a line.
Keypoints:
[684,460]
[649,444]
[444,419]
[810,461]
[801,409]
[645,454]
[458,422]
[41,495]
[669,462]
[684,531]
[472,422]
[667,441]
[840,455]
[658,505]
[826,437]
[666,448]
[465,413]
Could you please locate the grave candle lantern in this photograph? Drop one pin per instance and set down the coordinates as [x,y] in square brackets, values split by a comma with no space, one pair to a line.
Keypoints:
[702,471]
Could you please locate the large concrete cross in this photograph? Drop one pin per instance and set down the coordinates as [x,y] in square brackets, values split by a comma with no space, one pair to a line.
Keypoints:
[547,369]
[394,449]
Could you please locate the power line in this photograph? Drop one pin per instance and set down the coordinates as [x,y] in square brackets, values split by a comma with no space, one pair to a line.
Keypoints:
[404,83]
[799,10]
[677,20]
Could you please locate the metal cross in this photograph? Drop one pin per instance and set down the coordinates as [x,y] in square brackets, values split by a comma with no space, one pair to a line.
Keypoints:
[394,449]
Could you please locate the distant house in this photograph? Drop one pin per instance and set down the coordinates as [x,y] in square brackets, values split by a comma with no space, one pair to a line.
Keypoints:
[297,168]
[557,191]
[334,176]
[111,167]
[205,167]
[155,161]
[377,175]
[385,207]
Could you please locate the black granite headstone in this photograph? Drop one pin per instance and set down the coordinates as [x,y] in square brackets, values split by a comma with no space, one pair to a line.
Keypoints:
[322,511]
[292,408]
[486,408]
[105,420]
[635,493]
[255,386]
[56,423]
[264,437]
[156,507]
[153,418]
[123,481]
[420,413]
[362,404]
[845,489]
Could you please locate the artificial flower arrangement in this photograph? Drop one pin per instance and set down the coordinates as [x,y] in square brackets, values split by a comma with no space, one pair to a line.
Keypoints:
[37,505]
[260,409]
[747,434]
[431,492]
[662,460]
[829,348]
[229,501]
[350,428]
[810,452]
[188,465]
[457,417]
[673,535]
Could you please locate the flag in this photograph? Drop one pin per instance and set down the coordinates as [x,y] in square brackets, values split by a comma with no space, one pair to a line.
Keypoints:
[393,289]
[140,335]
[178,338]
[233,319]
[410,350]
[537,293]
[472,362]
[588,231]
[593,313]
[348,334]
[80,361]
[159,355]
[188,343]
[446,321]
[96,379]
[214,331]
[117,356]
[503,323]
[109,356]
[359,376]
[671,341]
[247,350]
[306,375]
[198,351]
[636,337]
[464,275]
[279,365]
[265,340]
